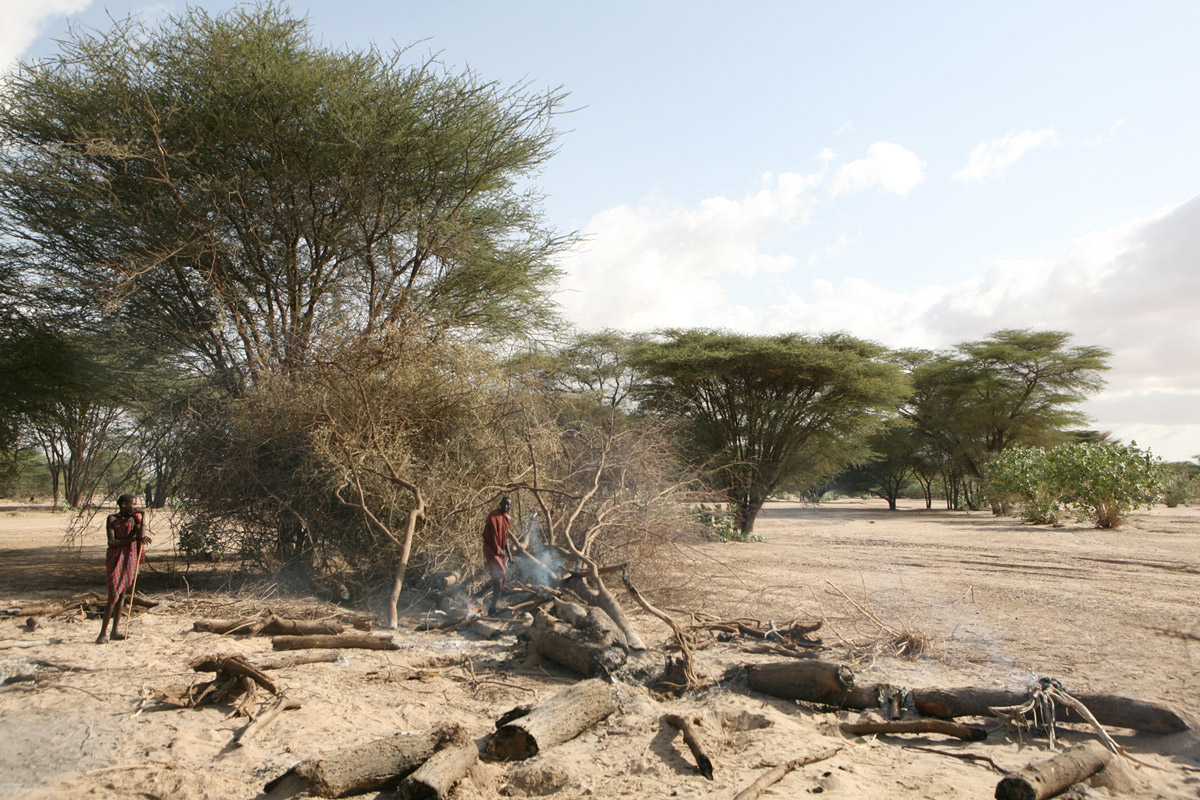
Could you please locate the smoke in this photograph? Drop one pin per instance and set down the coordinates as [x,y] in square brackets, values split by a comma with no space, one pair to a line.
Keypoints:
[548,571]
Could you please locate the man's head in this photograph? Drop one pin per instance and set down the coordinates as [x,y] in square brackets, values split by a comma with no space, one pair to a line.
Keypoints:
[505,504]
[125,503]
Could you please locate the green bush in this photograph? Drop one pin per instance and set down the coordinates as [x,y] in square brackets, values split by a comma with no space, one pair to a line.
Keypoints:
[1024,475]
[1097,482]
[1181,483]
[720,521]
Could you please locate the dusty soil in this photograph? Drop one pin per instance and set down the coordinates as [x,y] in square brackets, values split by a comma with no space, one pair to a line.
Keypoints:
[994,602]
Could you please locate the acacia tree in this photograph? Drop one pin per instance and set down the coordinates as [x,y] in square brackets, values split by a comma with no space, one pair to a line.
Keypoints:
[1013,387]
[246,190]
[761,410]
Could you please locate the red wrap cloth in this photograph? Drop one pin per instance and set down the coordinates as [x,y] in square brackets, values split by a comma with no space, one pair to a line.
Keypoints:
[120,563]
[495,538]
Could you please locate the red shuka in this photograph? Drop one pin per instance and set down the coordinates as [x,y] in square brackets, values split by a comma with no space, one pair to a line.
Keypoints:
[495,537]
[121,560]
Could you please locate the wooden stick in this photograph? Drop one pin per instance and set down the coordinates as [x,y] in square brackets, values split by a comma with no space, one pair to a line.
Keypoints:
[1048,778]
[704,764]
[265,718]
[776,774]
[969,733]
[137,564]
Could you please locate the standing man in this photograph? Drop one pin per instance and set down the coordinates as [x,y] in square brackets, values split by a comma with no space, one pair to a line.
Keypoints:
[126,540]
[495,548]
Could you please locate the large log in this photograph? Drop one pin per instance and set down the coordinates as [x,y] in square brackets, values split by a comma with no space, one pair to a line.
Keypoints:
[340,640]
[833,685]
[581,652]
[1112,710]
[374,765]
[1048,778]
[814,682]
[561,718]
[434,779]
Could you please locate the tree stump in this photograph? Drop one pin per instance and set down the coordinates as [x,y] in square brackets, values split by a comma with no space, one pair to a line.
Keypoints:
[1048,778]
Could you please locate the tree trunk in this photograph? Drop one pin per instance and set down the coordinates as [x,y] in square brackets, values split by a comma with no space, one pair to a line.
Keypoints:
[563,717]
[1054,775]
[567,647]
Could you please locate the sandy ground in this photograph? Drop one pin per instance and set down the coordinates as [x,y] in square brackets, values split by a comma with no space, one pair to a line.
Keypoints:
[997,603]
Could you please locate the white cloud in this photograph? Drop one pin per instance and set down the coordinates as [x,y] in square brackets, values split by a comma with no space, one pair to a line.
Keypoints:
[653,266]
[994,157]
[25,21]
[887,165]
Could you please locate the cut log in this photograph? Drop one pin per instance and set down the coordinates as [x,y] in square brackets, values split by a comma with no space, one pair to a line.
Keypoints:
[271,625]
[776,774]
[434,779]
[815,682]
[969,733]
[315,657]
[265,717]
[571,648]
[340,640]
[704,764]
[561,718]
[1048,778]
[374,765]
[1119,712]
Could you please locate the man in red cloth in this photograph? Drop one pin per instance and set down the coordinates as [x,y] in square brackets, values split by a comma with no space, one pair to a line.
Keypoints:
[126,540]
[495,548]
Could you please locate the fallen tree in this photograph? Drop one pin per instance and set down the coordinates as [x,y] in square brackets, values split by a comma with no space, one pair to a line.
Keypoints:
[268,624]
[834,685]
[359,640]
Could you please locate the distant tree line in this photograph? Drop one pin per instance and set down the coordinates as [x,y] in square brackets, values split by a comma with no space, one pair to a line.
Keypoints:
[304,296]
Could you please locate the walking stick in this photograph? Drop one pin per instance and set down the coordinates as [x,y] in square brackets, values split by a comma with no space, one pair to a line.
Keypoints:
[133,588]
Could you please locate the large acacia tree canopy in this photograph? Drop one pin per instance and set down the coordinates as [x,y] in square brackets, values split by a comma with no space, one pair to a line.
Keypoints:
[768,409]
[246,191]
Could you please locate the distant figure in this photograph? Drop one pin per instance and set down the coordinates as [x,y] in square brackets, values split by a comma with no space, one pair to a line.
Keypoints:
[495,548]
[126,540]
[149,495]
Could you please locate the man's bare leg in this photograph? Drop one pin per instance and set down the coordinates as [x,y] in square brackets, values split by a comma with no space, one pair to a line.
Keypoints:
[116,636]
[108,613]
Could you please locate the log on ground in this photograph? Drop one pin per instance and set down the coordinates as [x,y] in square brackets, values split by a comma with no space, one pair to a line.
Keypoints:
[1119,712]
[1054,775]
[314,657]
[434,779]
[561,718]
[815,682]
[358,640]
[583,653]
[375,765]
[968,733]
[234,665]
[271,625]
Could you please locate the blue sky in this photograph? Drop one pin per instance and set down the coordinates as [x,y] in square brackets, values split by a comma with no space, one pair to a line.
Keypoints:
[914,173]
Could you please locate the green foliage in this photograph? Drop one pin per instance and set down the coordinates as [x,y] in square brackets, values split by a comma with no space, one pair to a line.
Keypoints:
[720,521]
[1097,482]
[766,413]
[1025,474]
[247,194]
[1014,388]
[1181,483]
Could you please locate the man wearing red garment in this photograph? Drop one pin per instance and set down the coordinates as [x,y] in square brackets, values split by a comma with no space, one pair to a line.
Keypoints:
[495,548]
[126,540]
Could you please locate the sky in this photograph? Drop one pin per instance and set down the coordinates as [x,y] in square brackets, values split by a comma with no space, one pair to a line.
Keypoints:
[918,174]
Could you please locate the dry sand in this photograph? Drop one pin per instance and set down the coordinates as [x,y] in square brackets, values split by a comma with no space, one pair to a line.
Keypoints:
[998,603]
